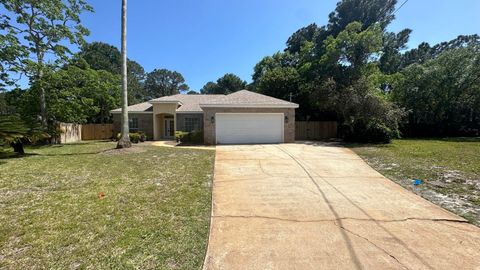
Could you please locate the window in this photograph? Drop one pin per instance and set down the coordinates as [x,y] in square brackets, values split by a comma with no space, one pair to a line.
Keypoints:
[133,124]
[192,124]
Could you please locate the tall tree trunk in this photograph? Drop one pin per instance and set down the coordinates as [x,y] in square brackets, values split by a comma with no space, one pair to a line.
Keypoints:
[43,102]
[124,141]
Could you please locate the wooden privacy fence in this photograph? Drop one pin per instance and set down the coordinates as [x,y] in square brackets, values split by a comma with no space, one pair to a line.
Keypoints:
[97,131]
[315,130]
[69,133]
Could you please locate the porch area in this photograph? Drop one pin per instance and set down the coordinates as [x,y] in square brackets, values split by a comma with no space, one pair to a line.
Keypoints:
[164,126]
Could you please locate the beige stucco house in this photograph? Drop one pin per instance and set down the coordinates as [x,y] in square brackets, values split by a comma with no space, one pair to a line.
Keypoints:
[238,118]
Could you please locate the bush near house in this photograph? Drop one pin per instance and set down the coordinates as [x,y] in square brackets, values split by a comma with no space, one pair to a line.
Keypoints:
[194,137]
[135,137]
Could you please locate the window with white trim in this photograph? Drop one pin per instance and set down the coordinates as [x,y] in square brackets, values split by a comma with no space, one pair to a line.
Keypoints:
[192,124]
[133,124]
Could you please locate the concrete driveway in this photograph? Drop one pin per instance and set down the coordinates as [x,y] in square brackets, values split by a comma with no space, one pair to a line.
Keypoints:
[314,206]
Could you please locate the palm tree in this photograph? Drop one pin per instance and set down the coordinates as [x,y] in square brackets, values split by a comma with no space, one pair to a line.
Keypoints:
[124,141]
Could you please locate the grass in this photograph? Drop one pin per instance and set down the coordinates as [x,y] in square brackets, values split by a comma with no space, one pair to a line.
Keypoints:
[81,207]
[449,169]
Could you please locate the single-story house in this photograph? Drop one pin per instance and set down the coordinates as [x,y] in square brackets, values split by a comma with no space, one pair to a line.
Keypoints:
[238,118]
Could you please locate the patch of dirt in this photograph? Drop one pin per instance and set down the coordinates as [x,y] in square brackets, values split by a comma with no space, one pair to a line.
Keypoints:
[450,189]
[459,204]
[124,151]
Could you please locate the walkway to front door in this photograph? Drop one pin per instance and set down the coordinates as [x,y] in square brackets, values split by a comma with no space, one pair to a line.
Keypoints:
[317,206]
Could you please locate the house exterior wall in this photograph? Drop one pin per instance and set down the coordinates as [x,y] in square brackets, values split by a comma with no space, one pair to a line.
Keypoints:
[145,123]
[181,120]
[209,127]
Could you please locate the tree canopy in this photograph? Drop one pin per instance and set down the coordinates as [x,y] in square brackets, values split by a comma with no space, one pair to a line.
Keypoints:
[354,71]
[42,27]
[74,94]
[442,94]
[164,82]
[226,84]
[103,56]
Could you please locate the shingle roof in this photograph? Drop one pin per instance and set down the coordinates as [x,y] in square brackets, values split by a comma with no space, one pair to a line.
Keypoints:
[140,107]
[193,103]
[248,98]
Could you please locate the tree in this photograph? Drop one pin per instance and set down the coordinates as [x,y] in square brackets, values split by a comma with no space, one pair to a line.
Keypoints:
[230,83]
[124,141]
[209,88]
[391,59]
[310,33]
[442,94]
[277,60]
[78,94]
[45,25]
[346,80]
[425,52]
[226,84]
[103,56]
[353,47]
[192,92]
[367,13]
[10,52]
[356,72]
[164,82]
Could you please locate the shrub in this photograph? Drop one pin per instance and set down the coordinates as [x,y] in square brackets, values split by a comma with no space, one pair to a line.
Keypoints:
[195,137]
[143,136]
[134,137]
[371,132]
[180,136]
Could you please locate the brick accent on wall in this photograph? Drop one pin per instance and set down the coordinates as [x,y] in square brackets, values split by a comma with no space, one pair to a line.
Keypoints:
[209,127]
[145,123]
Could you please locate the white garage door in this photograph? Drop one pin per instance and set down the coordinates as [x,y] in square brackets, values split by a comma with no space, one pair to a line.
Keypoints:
[238,128]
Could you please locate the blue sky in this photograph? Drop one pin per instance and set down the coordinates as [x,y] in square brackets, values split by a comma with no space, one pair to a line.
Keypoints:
[204,39]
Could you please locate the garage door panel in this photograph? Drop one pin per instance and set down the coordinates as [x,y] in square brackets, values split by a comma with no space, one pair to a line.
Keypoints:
[249,128]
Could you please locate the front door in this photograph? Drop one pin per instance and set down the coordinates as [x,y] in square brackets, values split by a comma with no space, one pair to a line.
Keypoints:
[169,128]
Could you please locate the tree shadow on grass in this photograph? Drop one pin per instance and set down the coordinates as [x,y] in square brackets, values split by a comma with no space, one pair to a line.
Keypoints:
[461,139]
[361,145]
[71,154]
[12,155]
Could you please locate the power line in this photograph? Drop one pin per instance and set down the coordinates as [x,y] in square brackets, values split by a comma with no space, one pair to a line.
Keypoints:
[393,13]
[404,2]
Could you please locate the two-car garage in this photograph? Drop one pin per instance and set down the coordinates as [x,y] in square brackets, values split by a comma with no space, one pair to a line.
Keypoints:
[242,128]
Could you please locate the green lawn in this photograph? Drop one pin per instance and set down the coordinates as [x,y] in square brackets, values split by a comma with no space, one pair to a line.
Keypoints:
[449,168]
[79,207]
